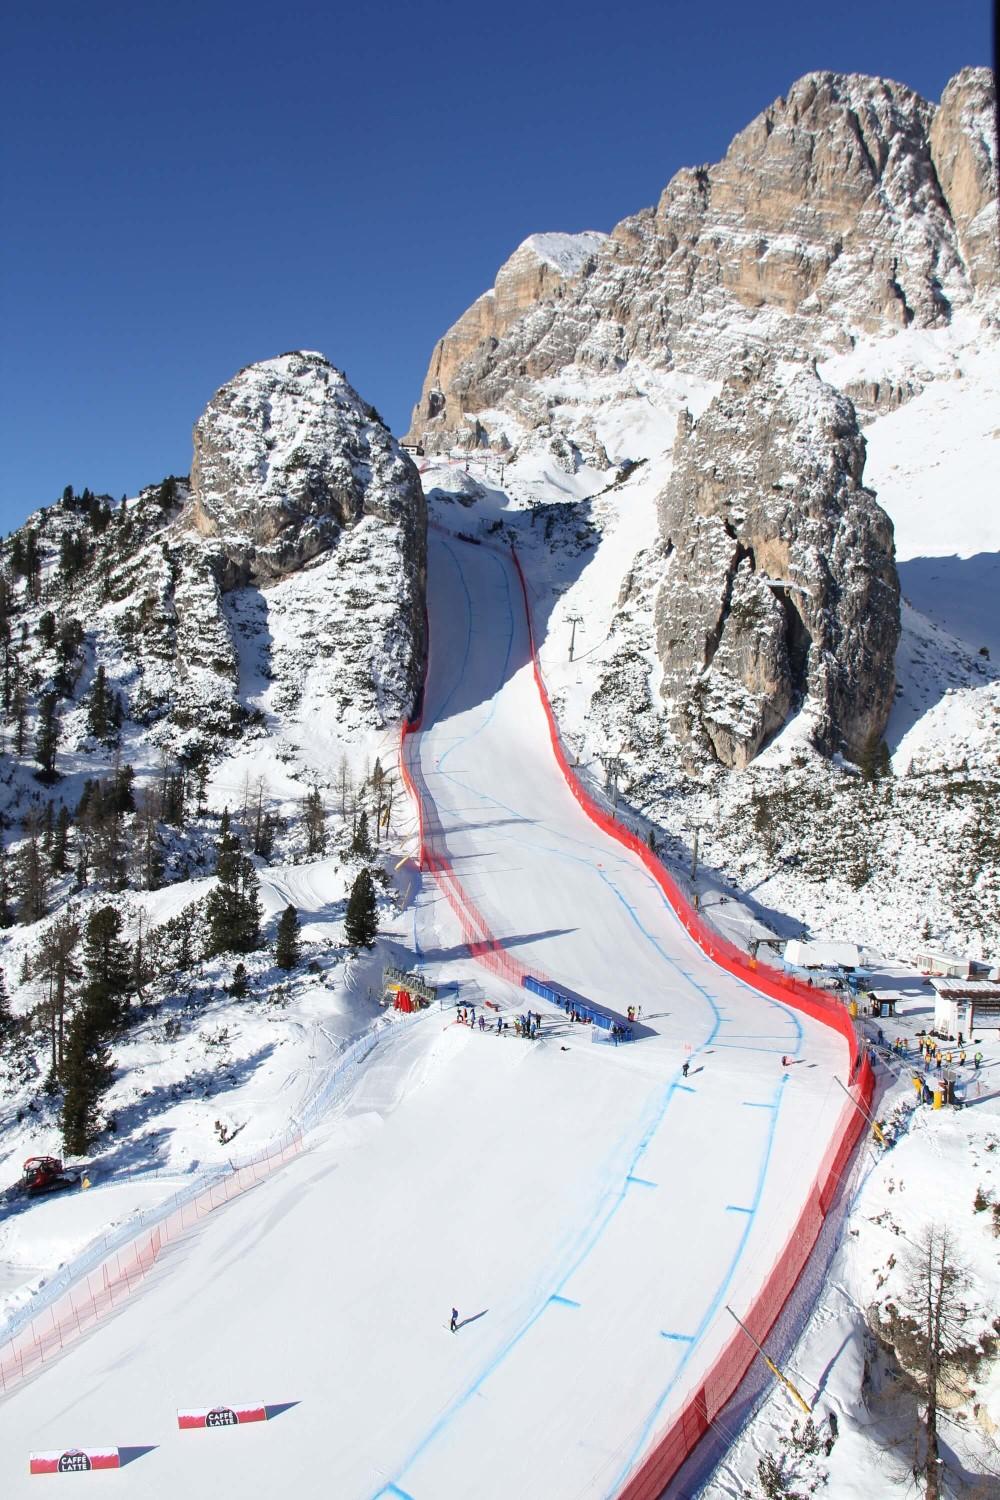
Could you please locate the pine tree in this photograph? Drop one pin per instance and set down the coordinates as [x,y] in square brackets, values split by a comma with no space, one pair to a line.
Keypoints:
[875,761]
[19,709]
[72,555]
[47,630]
[7,1022]
[173,799]
[32,566]
[56,963]
[97,706]
[47,737]
[86,1076]
[361,919]
[6,915]
[148,860]
[345,785]
[286,947]
[263,824]
[68,645]
[315,820]
[166,495]
[233,908]
[361,843]
[32,903]
[60,842]
[107,961]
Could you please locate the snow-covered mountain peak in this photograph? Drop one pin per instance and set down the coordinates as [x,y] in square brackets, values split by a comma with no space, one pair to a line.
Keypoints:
[286,454]
[565,253]
[848,209]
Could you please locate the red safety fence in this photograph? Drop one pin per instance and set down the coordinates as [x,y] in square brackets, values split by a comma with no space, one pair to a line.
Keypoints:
[479,939]
[775,983]
[104,1288]
[720,1383]
[722,1380]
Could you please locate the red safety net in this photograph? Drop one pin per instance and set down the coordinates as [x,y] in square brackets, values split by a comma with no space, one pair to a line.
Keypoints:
[689,1426]
[94,1295]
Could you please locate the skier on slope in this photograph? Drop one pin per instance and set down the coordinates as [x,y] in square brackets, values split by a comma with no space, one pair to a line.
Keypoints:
[454,1319]
[684,1069]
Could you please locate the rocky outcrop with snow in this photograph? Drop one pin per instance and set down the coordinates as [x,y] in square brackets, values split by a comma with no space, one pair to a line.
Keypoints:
[849,207]
[539,269]
[286,456]
[779,591]
[301,503]
[963,142]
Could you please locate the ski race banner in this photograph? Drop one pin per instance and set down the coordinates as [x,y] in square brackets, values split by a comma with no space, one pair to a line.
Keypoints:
[74,1461]
[221,1416]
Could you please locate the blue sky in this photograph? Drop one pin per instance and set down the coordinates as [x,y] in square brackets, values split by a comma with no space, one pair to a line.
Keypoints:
[188,187]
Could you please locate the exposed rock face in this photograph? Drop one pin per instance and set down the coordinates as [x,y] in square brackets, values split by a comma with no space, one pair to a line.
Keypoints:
[780,590]
[851,205]
[286,455]
[963,145]
[539,269]
[290,467]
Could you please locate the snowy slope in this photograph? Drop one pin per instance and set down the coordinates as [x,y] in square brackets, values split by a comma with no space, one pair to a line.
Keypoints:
[537,1186]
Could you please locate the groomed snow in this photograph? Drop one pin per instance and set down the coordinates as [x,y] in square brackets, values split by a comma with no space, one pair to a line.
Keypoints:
[583,1206]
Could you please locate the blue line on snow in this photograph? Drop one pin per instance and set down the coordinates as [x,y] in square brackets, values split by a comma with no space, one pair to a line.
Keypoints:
[678,1338]
[603,1220]
[641,1182]
[737,1208]
[716,1302]
[563,1301]
[757,1104]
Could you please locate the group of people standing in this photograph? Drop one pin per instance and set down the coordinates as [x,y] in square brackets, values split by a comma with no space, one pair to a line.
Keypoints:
[529,1025]
[932,1056]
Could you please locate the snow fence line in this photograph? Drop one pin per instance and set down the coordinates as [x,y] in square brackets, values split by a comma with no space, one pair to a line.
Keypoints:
[687,1429]
[97,1280]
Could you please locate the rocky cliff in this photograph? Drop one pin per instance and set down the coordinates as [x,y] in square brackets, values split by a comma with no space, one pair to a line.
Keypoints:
[293,470]
[540,269]
[286,455]
[779,591]
[848,217]
[850,206]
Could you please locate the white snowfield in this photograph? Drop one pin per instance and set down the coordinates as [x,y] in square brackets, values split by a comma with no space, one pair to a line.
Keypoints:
[587,1209]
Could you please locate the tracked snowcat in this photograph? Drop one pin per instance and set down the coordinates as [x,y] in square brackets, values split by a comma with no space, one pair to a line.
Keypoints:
[45,1174]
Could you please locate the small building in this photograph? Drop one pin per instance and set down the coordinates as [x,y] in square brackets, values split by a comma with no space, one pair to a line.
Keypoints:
[933,961]
[965,1005]
[822,955]
[415,450]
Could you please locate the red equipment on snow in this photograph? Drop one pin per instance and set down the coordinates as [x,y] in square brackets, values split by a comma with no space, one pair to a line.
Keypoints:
[45,1174]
